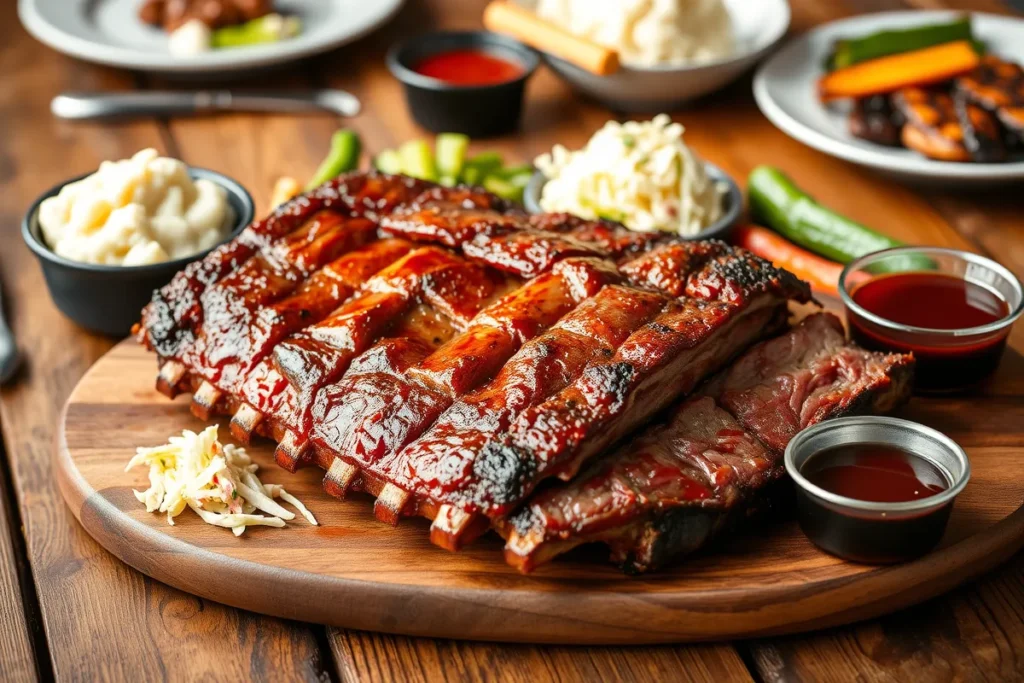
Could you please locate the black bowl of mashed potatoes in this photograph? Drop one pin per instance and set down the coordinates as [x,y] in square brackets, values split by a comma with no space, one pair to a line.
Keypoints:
[105,244]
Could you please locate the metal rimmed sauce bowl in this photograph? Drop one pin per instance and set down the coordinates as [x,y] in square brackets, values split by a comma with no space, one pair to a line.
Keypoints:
[109,298]
[947,359]
[869,531]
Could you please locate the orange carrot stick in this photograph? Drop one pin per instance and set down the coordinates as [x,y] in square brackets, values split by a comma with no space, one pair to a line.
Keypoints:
[822,274]
[502,16]
[886,74]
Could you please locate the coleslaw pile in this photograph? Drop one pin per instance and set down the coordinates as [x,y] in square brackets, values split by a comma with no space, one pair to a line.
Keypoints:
[640,174]
[217,481]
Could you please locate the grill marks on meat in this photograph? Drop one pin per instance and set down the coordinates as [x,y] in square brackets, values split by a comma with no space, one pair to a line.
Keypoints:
[176,311]
[941,128]
[997,86]
[667,493]
[433,376]
[369,417]
[442,460]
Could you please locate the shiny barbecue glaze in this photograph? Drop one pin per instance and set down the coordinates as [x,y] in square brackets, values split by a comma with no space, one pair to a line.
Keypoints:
[940,127]
[668,492]
[378,314]
[998,86]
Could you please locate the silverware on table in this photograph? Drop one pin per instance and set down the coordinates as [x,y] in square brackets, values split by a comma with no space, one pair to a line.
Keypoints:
[8,348]
[84,105]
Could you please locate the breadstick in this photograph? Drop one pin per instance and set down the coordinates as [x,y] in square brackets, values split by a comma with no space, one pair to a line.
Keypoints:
[504,17]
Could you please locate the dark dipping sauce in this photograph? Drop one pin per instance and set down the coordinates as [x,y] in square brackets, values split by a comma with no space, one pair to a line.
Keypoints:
[468,67]
[875,472]
[936,301]
[880,473]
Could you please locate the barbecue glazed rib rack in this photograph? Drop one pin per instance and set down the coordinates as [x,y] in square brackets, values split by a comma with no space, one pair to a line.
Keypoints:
[443,351]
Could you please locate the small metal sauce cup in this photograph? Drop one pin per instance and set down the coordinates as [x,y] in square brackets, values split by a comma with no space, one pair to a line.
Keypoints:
[867,531]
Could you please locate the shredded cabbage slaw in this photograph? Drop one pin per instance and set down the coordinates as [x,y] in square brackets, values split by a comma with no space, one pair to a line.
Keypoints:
[641,174]
[217,481]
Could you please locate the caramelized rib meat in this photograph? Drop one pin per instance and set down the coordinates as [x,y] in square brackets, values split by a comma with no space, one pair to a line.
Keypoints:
[176,311]
[741,298]
[368,417]
[666,494]
[450,378]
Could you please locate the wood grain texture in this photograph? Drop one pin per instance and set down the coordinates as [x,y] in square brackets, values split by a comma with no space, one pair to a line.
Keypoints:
[976,633]
[17,659]
[102,619]
[771,581]
[376,658]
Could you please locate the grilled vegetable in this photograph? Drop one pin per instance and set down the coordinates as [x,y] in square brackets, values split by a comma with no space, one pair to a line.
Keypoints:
[388,161]
[266,29]
[849,51]
[776,202]
[451,155]
[448,165]
[822,274]
[418,160]
[343,157]
[886,74]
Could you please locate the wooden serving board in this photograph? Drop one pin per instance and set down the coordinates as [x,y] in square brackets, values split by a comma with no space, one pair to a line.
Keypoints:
[355,572]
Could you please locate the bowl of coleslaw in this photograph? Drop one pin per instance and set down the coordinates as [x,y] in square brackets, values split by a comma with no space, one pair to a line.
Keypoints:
[640,174]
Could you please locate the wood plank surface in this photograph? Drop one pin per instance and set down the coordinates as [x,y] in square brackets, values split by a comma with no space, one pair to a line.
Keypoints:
[975,633]
[773,580]
[102,619]
[373,658]
[17,658]
[942,640]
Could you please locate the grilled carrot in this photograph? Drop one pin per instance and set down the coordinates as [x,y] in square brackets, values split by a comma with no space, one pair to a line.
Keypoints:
[822,274]
[885,74]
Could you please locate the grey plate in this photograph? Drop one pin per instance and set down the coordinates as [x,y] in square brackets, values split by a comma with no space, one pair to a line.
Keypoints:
[758,25]
[732,198]
[110,32]
[785,91]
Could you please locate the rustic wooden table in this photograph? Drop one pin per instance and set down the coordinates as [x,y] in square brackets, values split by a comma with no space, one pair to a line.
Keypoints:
[68,610]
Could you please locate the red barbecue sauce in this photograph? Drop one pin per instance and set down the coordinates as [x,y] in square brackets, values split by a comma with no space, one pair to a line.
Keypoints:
[874,472]
[936,301]
[468,67]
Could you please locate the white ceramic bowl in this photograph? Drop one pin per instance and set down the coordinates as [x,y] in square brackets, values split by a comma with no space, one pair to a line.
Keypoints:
[110,32]
[758,26]
[785,90]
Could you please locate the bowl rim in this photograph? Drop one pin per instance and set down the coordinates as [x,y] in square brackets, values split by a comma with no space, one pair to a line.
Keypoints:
[754,52]
[30,227]
[934,435]
[732,197]
[846,296]
[529,59]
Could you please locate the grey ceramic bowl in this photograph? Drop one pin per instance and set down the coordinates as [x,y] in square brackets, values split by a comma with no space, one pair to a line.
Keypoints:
[108,299]
[732,200]
[758,25]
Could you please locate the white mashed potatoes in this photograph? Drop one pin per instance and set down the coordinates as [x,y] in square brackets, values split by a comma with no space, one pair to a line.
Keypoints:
[136,211]
[646,32]
[641,174]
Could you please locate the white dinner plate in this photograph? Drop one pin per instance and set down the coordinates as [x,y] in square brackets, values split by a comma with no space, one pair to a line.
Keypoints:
[785,90]
[110,32]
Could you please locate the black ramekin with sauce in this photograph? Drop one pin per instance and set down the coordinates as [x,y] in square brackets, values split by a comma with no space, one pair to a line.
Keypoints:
[899,478]
[479,100]
[952,309]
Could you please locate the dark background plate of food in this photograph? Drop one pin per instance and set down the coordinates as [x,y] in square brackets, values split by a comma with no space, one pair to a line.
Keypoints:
[786,89]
